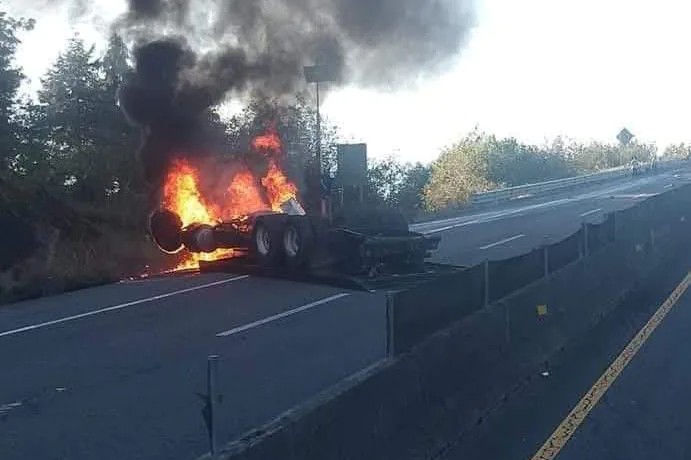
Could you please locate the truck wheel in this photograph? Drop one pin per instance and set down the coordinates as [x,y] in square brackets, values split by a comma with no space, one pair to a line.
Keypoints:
[297,244]
[266,242]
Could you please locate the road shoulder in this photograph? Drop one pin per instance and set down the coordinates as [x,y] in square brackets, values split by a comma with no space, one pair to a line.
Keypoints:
[520,426]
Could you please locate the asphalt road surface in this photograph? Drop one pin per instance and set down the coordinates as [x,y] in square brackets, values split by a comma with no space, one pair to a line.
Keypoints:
[644,413]
[114,372]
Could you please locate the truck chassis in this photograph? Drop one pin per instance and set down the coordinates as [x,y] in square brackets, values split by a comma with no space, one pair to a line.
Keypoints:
[299,244]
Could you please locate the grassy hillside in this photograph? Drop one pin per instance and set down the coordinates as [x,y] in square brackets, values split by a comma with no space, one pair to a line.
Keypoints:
[49,246]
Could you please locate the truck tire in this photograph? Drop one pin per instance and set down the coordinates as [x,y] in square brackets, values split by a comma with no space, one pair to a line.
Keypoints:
[266,243]
[297,242]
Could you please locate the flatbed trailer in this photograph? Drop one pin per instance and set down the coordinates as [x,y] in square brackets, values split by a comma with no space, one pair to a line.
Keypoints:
[302,247]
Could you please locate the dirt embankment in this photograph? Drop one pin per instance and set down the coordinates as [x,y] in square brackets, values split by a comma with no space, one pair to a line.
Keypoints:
[49,246]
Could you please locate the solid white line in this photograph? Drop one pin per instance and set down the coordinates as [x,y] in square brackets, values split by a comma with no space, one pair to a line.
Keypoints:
[269,319]
[593,211]
[449,227]
[506,240]
[118,307]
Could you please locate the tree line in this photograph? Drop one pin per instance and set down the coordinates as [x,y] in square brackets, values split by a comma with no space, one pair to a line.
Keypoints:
[479,162]
[73,140]
[68,163]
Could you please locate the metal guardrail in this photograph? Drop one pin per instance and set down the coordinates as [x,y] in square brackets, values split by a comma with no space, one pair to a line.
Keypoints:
[511,193]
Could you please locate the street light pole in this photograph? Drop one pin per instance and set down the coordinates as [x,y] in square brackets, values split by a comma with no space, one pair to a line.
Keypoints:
[316,74]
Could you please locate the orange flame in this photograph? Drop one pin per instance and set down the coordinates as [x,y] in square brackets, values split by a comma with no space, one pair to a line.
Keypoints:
[268,142]
[181,195]
[245,194]
[278,188]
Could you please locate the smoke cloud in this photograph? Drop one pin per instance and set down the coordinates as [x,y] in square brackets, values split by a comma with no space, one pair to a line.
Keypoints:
[367,42]
[191,55]
[239,48]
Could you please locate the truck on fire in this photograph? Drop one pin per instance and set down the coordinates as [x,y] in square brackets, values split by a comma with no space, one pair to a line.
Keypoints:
[365,242]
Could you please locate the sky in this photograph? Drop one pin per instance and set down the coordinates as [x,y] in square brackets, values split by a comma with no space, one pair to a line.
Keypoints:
[532,69]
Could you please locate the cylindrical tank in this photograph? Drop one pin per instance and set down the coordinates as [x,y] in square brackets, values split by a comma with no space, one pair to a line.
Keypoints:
[166,229]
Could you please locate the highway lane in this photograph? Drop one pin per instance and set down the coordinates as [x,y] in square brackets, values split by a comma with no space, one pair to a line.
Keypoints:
[112,371]
[123,384]
[516,230]
[643,413]
[647,410]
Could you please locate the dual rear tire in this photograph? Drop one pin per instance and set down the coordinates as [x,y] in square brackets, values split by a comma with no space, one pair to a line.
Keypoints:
[278,242]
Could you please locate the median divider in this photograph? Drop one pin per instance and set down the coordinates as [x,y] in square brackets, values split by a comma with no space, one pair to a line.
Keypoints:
[462,344]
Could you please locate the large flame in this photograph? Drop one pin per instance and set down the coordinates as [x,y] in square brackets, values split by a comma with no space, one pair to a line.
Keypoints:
[244,194]
[181,195]
[278,188]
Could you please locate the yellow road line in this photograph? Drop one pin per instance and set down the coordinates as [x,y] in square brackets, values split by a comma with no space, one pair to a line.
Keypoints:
[556,442]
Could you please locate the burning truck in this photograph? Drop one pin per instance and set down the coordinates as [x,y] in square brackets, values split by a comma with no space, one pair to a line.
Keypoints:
[243,208]
[258,220]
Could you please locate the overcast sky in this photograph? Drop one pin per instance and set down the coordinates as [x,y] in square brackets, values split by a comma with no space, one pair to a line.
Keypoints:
[533,69]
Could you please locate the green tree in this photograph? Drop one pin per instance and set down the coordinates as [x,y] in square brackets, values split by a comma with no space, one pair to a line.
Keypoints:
[397,184]
[115,64]
[384,179]
[83,136]
[460,170]
[68,119]
[116,140]
[513,163]
[681,151]
[409,196]
[11,78]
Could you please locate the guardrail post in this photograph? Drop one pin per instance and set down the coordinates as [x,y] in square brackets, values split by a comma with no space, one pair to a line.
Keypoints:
[390,331]
[212,373]
[545,259]
[486,270]
[585,239]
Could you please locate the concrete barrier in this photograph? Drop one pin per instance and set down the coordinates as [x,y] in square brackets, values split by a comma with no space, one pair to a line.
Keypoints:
[408,326]
[410,405]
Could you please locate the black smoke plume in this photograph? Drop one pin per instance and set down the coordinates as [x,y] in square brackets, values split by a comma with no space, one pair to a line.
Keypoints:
[260,47]
[191,55]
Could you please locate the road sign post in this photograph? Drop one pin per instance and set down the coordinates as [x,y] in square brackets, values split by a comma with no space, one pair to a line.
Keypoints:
[624,137]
